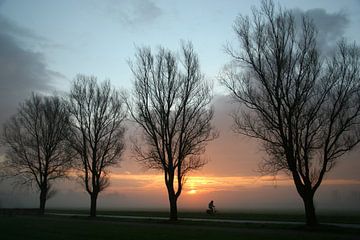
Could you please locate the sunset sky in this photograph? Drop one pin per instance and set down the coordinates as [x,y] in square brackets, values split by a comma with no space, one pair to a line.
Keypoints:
[45,43]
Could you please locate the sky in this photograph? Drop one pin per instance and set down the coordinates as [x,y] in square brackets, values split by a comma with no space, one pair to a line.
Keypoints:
[45,43]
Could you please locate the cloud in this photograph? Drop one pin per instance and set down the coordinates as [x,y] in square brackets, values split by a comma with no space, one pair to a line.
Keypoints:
[331,26]
[22,70]
[15,31]
[133,12]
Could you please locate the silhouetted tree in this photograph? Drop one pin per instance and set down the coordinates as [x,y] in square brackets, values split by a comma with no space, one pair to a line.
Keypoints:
[171,103]
[97,132]
[37,151]
[306,110]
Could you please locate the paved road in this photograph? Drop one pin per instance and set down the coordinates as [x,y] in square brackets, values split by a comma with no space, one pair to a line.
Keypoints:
[218,220]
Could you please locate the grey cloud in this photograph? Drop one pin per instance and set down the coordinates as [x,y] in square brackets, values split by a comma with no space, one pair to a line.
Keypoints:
[18,32]
[133,12]
[331,26]
[22,71]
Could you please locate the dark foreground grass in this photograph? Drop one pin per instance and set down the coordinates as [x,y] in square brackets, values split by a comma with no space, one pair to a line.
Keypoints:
[56,228]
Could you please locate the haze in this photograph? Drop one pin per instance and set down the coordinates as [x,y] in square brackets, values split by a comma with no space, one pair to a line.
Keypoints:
[44,44]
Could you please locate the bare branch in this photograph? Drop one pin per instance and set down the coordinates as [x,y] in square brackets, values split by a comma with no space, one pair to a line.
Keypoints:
[171,103]
[97,133]
[305,108]
[37,150]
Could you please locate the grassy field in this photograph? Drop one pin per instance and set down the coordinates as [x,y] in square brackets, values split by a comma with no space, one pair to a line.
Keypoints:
[55,227]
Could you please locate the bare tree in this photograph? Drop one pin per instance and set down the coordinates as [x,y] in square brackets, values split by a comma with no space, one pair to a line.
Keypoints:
[171,104]
[97,116]
[304,108]
[35,137]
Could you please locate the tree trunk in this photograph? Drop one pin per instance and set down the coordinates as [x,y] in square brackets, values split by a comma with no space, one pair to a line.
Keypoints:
[43,194]
[93,200]
[173,207]
[310,214]
[307,195]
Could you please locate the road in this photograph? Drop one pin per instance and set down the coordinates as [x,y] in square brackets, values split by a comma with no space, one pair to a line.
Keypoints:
[216,220]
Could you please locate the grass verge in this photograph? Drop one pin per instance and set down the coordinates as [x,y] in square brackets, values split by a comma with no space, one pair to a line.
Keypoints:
[56,228]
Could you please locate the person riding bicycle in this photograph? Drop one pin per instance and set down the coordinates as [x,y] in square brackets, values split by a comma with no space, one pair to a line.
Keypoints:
[212,206]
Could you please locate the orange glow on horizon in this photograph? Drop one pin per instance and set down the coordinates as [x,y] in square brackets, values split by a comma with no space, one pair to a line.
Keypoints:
[197,185]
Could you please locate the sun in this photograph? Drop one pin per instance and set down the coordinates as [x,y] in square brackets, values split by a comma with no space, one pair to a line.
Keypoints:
[192,191]
[196,184]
